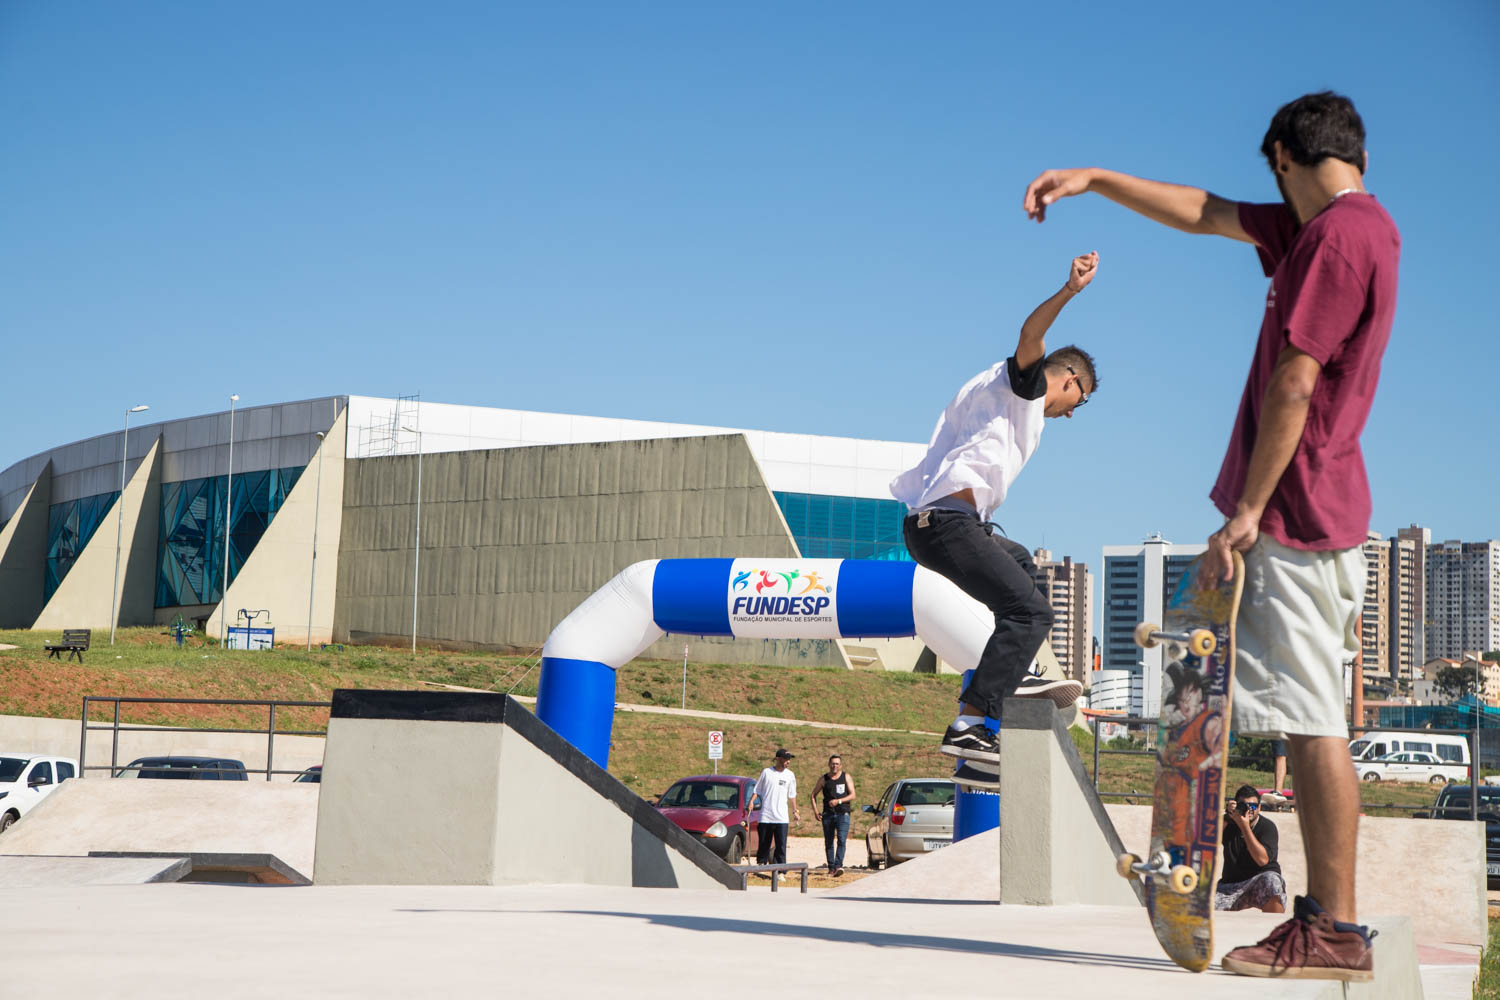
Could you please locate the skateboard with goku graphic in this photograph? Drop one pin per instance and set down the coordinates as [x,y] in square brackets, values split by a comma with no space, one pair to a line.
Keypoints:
[1192,739]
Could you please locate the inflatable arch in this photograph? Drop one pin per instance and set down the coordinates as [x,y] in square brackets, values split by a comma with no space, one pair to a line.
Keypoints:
[765,598]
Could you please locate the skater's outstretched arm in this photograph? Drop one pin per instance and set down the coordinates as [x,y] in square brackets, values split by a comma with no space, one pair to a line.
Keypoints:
[1032,346]
[1191,209]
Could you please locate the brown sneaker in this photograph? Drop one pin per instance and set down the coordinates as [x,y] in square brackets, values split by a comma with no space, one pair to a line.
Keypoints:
[1311,945]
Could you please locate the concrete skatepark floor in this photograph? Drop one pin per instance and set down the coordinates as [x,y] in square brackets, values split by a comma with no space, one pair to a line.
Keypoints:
[181,941]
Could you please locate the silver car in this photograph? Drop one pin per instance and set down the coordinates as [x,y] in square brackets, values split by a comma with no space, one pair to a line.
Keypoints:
[913,817]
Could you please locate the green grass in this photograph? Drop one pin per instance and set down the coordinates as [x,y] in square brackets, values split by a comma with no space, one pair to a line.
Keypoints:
[1488,987]
[649,750]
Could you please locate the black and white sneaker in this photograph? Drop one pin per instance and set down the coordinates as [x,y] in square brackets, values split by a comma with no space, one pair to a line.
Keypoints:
[974,743]
[1062,692]
[972,775]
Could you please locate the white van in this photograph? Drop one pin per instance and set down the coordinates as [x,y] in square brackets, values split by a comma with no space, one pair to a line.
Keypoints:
[1371,745]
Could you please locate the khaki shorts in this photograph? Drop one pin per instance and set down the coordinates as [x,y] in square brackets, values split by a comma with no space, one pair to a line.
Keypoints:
[1298,627]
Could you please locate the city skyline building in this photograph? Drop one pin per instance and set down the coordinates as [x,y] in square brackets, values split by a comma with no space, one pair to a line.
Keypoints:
[1409,600]
[1463,598]
[1138,580]
[1069,587]
[1375,618]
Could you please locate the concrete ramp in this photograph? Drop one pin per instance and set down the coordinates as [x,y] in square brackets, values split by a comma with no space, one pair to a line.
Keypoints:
[463,788]
[1056,843]
[967,871]
[129,815]
[1442,890]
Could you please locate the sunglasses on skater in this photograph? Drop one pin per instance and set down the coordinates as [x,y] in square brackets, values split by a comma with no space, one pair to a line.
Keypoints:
[1083,397]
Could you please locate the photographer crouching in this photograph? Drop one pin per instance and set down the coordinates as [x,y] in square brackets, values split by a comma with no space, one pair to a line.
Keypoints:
[1251,878]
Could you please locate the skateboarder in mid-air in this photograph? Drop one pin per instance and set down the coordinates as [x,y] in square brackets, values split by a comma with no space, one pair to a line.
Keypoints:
[1292,488]
[979,446]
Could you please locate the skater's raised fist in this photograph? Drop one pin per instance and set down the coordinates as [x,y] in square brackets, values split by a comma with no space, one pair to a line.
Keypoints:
[1082,271]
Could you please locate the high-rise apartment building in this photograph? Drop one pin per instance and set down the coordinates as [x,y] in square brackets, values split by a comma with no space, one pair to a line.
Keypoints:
[1408,601]
[1375,624]
[1463,597]
[1138,580]
[1392,638]
[1070,588]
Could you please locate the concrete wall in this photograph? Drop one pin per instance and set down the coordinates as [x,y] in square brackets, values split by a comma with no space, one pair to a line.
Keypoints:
[84,598]
[278,574]
[514,539]
[60,737]
[23,555]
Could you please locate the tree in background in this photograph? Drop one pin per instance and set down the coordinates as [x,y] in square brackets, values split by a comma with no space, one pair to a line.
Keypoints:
[1455,682]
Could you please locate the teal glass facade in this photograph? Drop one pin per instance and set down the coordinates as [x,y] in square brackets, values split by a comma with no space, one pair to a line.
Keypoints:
[70,525]
[190,560]
[828,527]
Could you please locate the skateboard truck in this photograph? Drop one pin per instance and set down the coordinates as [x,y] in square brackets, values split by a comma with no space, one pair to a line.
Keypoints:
[1199,641]
[1182,878]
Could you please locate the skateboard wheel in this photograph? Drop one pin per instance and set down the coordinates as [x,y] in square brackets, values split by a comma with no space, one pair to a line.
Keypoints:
[1183,880]
[1143,634]
[1202,642]
[1124,863]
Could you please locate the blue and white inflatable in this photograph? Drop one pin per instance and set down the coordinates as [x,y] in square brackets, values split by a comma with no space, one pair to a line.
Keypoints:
[764,598]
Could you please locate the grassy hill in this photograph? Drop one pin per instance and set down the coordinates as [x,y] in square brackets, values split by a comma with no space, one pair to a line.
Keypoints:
[648,751]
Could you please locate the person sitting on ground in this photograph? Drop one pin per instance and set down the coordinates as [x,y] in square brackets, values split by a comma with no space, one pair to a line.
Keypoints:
[1251,878]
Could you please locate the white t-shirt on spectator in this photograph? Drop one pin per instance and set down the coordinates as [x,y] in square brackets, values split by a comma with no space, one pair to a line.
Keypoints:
[776,789]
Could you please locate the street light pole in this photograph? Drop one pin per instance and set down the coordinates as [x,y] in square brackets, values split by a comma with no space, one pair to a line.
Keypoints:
[114,596]
[416,561]
[313,580]
[228,510]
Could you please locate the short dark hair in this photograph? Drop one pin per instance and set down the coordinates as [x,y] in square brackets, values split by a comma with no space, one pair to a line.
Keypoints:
[833,757]
[1245,790]
[1314,127]
[1081,361]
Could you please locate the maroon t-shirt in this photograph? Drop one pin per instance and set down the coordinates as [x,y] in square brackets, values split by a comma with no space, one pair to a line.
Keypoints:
[1333,296]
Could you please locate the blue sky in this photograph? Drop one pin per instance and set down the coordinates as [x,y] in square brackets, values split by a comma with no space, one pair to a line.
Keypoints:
[761,216]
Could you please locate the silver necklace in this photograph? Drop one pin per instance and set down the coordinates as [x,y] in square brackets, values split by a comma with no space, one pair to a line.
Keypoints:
[1339,194]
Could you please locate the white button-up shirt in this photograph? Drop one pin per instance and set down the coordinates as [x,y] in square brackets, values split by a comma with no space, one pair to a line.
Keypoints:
[981,441]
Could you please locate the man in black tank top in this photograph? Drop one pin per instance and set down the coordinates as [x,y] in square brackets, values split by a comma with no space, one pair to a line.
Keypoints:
[837,789]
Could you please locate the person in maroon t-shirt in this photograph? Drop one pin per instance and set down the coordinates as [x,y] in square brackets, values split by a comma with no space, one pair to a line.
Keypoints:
[1292,487]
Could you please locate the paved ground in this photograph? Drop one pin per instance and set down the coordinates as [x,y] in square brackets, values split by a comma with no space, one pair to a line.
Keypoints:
[189,941]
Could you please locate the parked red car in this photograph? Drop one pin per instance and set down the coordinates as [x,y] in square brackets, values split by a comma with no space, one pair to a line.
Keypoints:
[719,809]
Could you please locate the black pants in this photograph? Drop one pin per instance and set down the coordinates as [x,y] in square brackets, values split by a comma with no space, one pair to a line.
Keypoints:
[771,850]
[997,572]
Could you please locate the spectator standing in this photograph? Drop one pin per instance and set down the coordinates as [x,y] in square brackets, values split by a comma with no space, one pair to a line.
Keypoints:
[1251,877]
[837,789]
[777,788]
[1293,488]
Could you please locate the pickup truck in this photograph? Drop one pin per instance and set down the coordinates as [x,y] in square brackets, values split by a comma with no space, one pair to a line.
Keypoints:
[1453,803]
[28,778]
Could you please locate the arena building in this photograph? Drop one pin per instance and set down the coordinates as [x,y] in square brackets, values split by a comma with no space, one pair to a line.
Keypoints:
[520,516]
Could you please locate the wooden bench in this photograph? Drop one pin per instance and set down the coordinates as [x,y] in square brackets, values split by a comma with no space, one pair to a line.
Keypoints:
[74,640]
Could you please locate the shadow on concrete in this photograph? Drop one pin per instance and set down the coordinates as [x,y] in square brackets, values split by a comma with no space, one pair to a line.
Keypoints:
[838,935]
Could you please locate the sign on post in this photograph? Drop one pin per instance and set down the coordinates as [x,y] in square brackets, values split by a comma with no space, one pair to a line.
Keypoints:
[715,747]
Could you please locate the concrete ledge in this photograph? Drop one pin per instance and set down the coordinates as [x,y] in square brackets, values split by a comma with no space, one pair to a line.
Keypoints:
[1057,843]
[39,870]
[465,760]
[233,869]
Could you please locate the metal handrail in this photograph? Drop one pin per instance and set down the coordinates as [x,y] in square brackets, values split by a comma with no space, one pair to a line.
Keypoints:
[1136,720]
[115,727]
